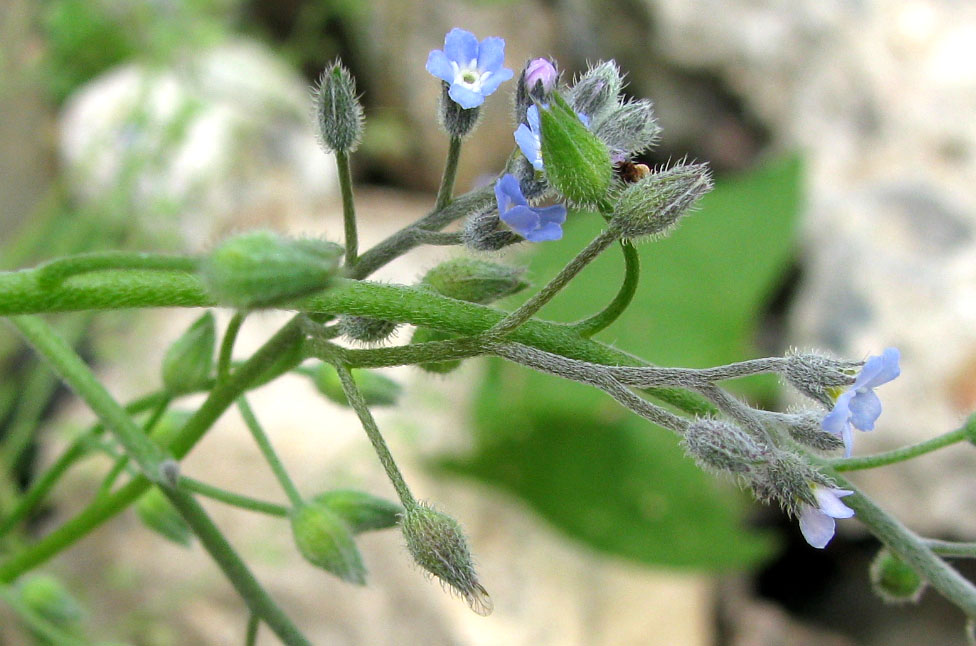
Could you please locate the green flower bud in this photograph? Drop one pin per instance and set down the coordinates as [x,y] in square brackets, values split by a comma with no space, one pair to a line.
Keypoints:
[423,335]
[894,581]
[325,540]
[47,596]
[366,329]
[363,512]
[455,120]
[377,389]
[189,361]
[261,269]
[577,163]
[158,514]
[629,128]
[437,544]
[596,92]
[722,446]
[653,205]
[474,281]
[337,110]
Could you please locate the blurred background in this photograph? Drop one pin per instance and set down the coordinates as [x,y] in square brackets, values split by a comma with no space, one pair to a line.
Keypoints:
[843,139]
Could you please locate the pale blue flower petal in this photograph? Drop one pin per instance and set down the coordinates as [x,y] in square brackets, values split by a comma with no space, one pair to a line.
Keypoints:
[508,193]
[555,214]
[440,66]
[464,97]
[865,409]
[522,219]
[839,417]
[546,232]
[461,46]
[492,81]
[817,527]
[533,224]
[829,500]
[532,116]
[528,142]
[491,54]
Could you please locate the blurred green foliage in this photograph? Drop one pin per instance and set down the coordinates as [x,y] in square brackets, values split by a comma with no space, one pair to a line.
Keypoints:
[590,467]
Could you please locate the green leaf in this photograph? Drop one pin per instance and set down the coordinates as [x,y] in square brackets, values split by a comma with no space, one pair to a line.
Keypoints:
[595,470]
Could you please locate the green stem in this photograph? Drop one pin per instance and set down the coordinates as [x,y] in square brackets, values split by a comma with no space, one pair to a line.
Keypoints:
[68,365]
[227,345]
[234,568]
[35,396]
[39,624]
[102,509]
[601,320]
[348,208]
[233,499]
[446,190]
[53,273]
[966,432]
[123,460]
[358,403]
[268,452]
[951,548]
[909,547]
[251,636]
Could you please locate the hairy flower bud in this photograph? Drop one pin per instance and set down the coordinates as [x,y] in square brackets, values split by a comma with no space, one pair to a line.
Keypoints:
[474,281]
[894,581]
[816,375]
[788,479]
[363,512]
[455,120]
[536,82]
[46,596]
[424,335]
[325,540]
[628,129]
[805,428]
[437,544]
[158,514]
[653,205]
[189,360]
[337,110]
[577,163]
[722,446]
[366,329]
[483,231]
[596,92]
[377,389]
[261,269]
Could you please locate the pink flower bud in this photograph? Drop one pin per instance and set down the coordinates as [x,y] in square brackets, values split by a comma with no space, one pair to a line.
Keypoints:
[541,70]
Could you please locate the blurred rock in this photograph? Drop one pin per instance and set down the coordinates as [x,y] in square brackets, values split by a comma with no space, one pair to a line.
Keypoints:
[221,139]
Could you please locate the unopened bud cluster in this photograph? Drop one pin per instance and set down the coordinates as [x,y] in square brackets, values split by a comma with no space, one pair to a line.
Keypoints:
[339,115]
[652,205]
[722,446]
[816,375]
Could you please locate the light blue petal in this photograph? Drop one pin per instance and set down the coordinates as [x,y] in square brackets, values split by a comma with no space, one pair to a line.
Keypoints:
[584,119]
[439,65]
[522,219]
[548,231]
[817,528]
[461,46]
[555,214]
[865,410]
[532,116]
[889,369]
[529,144]
[508,193]
[871,368]
[491,54]
[491,82]
[835,421]
[830,504]
[464,97]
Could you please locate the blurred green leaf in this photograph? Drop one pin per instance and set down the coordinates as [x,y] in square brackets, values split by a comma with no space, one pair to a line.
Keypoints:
[595,470]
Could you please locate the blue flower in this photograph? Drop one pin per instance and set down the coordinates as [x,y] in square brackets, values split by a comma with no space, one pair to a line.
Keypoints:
[859,406]
[474,70]
[529,137]
[533,224]
[817,523]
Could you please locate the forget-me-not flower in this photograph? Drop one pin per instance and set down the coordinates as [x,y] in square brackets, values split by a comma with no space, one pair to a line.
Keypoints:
[474,70]
[533,224]
[817,523]
[859,406]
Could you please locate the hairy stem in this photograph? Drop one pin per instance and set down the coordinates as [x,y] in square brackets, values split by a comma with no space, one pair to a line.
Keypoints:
[348,208]
[966,432]
[55,272]
[446,190]
[601,320]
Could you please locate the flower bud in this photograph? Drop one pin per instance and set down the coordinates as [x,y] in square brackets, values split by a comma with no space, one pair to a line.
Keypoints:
[366,329]
[653,205]
[377,389]
[337,110]
[596,92]
[474,281]
[816,375]
[537,81]
[188,362]
[483,231]
[722,446]
[628,129]
[325,540]
[805,427]
[894,581]
[437,544]
[577,163]
[261,269]
[47,597]
[424,335]
[788,479]
[158,514]
[361,511]
[455,120]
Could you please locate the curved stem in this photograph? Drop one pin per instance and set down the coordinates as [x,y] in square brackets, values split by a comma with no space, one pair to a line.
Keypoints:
[227,345]
[446,189]
[257,432]
[348,208]
[53,273]
[233,499]
[966,432]
[599,321]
